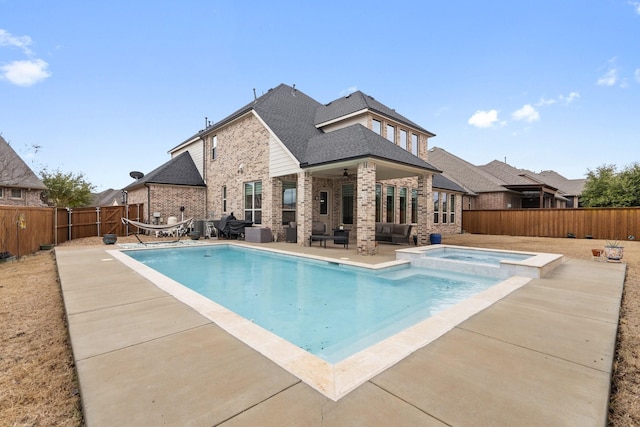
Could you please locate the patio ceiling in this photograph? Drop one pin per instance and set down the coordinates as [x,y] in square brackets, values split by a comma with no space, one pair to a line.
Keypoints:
[384,169]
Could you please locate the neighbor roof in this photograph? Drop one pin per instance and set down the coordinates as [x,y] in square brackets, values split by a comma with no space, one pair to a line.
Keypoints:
[180,170]
[14,172]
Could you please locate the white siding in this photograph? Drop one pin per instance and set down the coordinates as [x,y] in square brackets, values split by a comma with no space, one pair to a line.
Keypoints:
[361,119]
[281,162]
[196,149]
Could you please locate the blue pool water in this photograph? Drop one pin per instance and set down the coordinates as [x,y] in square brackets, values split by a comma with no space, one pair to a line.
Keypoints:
[329,309]
[476,256]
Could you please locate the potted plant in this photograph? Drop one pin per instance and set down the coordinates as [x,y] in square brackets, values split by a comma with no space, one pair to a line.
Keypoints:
[613,251]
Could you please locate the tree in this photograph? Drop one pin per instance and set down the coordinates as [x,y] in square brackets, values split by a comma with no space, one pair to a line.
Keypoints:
[66,189]
[606,187]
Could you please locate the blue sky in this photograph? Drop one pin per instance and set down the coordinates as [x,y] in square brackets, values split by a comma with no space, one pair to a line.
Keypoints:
[108,87]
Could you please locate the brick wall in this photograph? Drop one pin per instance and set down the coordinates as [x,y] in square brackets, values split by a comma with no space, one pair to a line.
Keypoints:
[167,199]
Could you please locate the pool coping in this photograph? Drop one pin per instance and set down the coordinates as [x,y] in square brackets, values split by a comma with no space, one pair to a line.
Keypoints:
[332,380]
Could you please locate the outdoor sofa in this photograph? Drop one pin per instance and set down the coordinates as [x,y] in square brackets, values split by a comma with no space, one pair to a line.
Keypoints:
[393,233]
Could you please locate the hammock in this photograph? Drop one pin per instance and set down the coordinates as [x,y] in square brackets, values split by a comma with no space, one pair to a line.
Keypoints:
[159,227]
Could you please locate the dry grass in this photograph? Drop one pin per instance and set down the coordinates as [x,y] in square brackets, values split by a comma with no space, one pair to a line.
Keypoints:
[38,386]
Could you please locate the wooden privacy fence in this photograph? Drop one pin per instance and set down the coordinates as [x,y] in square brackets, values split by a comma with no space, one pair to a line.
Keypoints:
[599,223]
[24,229]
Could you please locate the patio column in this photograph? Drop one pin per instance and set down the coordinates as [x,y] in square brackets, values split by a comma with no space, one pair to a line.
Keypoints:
[366,208]
[425,208]
[304,216]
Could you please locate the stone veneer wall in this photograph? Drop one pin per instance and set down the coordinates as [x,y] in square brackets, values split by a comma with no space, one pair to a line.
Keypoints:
[167,200]
[243,142]
[29,198]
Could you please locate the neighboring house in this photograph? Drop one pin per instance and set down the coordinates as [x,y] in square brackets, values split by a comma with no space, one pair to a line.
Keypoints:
[19,186]
[108,197]
[285,157]
[497,185]
[173,189]
[447,205]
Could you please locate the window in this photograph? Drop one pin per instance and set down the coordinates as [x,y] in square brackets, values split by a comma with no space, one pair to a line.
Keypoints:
[214,147]
[289,195]
[224,198]
[391,133]
[452,208]
[436,207]
[253,202]
[16,193]
[414,206]
[324,203]
[1,192]
[403,138]
[445,212]
[403,205]
[378,203]
[414,144]
[391,209]
[376,126]
[347,204]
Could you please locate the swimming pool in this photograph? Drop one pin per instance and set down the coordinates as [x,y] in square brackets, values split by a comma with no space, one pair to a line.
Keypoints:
[477,256]
[334,380]
[329,309]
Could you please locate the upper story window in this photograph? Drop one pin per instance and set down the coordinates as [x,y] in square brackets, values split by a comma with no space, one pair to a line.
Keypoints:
[391,133]
[214,147]
[414,144]
[16,193]
[403,138]
[376,126]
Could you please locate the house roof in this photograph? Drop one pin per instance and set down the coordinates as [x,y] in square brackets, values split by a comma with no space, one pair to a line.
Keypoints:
[292,116]
[357,141]
[441,182]
[358,101]
[14,172]
[107,197]
[570,187]
[470,177]
[509,174]
[180,170]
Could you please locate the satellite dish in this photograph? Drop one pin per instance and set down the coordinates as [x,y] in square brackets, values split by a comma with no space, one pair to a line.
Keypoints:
[136,174]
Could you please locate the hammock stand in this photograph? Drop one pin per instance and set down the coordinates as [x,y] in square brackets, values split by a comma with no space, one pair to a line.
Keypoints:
[159,227]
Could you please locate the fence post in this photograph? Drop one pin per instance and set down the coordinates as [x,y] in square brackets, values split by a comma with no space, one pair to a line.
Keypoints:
[98,219]
[70,225]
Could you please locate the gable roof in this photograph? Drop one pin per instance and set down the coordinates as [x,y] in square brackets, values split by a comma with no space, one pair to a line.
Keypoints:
[180,170]
[292,116]
[570,187]
[359,101]
[471,178]
[14,172]
[107,197]
[357,141]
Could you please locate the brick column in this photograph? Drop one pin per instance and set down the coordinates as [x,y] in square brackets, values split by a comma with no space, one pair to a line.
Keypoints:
[304,213]
[425,208]
[366,208]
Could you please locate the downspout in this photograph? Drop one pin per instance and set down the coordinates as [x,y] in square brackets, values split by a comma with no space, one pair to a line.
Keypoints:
[148,203]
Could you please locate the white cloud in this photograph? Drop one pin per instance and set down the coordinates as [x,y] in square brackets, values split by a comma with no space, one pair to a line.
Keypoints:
[637,75]
[544,101]
[526,113]
[636,6]
[569,99]
[484,119]
[23,42]
[25,73]
[609,79]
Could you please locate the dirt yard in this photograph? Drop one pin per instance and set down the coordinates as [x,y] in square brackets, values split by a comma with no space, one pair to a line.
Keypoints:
[38,384]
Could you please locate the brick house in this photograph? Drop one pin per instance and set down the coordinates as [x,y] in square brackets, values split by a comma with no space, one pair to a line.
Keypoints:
[19,186]
[176,188]
[498,185]
[284,157]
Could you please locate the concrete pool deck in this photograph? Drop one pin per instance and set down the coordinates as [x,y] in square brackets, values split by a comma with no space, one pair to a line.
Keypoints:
[540,356]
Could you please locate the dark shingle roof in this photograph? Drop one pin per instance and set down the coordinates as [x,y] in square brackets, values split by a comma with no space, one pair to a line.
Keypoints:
[358,101]
[180,170]
[14,172]
[440,182]
[357,141]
